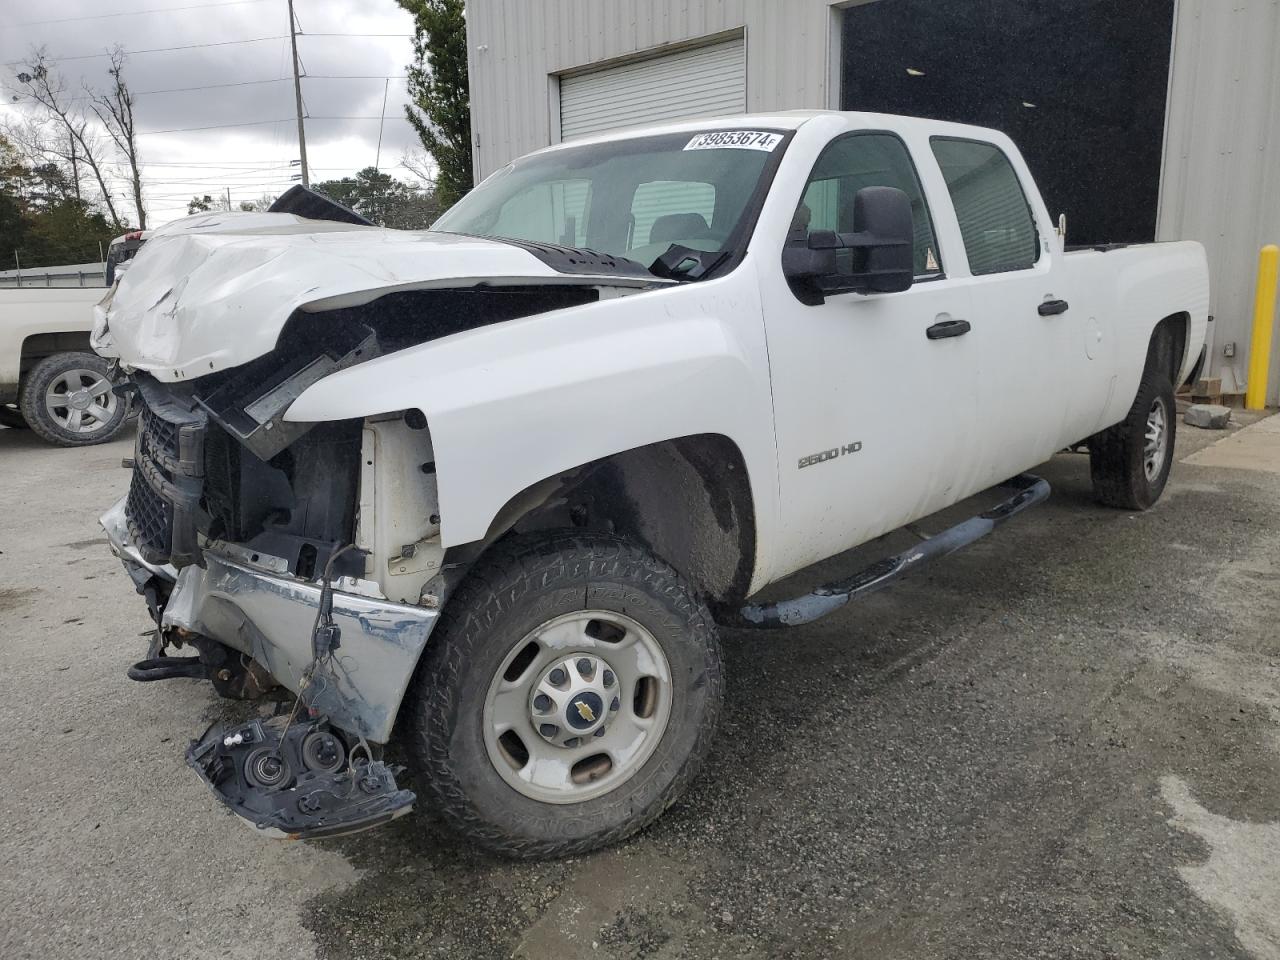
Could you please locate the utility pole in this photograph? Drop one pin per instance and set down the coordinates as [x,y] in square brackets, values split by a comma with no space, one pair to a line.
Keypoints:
[377,157]
[228,189]
[75,169]
[297,96]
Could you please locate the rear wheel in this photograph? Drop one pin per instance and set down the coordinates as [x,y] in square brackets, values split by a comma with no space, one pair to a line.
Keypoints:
[67,400]
[1130,462]
[570,692]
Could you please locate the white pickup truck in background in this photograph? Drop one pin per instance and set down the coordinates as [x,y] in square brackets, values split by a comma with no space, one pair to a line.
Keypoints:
[492,486]
[50,379]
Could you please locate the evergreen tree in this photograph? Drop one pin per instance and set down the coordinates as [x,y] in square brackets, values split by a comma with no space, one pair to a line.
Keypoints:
[441,108]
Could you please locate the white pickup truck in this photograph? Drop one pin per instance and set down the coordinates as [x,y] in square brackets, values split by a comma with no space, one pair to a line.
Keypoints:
[50,380]
[492,486]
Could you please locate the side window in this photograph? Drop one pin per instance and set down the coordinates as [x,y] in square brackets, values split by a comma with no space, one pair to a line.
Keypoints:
[995,219]
[557,209]
[865,160]
[664,212]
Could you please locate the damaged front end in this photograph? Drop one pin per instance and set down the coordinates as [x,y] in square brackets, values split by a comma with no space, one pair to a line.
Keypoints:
[245,536]
[301,559]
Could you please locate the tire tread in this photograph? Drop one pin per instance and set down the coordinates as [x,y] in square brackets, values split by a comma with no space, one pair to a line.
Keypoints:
[510,571]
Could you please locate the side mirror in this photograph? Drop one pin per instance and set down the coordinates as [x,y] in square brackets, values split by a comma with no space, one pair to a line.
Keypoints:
[878,258]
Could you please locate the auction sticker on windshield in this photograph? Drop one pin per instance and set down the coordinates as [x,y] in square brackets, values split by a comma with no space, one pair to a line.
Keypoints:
[736,140]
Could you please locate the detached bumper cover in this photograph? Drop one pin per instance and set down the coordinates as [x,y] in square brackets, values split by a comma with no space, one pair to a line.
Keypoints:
[270,618]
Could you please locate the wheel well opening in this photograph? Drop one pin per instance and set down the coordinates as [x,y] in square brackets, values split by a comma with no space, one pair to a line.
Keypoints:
[40,345]
[686,500]
[1168,345]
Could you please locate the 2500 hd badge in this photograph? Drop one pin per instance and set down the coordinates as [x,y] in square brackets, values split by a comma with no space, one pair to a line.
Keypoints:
[825,455]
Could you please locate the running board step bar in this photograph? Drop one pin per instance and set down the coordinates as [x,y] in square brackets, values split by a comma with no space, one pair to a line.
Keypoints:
[1028,491]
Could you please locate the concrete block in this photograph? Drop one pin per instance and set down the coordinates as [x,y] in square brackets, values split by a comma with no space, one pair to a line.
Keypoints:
[1210,416]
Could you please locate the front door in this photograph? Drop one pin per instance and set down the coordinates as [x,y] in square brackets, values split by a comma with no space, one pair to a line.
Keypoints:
[876,409]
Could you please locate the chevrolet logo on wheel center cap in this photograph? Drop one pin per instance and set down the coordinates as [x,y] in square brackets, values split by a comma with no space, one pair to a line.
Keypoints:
[584,710]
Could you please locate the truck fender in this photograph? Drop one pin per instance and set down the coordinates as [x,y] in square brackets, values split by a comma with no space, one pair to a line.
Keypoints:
[511,404]
[1148,293]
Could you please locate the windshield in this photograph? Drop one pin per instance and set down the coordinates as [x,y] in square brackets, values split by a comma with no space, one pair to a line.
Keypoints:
[634,198]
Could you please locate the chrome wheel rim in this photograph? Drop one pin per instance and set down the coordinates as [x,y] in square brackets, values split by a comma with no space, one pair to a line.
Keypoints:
[577,707]
[80,401]
[1156,440]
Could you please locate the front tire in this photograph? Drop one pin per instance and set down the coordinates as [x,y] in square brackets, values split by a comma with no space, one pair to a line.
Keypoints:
[570,692]
[67,400]
[1130,462]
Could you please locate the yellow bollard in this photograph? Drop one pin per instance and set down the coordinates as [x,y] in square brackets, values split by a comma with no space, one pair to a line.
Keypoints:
[1264,313]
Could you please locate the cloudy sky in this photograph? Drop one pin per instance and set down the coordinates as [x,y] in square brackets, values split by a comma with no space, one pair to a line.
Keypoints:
[251,157]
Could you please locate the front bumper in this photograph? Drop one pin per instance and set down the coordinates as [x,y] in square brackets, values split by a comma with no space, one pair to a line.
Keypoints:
[270,618]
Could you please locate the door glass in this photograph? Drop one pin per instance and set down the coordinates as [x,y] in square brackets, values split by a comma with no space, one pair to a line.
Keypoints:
[995,218]
[865,160]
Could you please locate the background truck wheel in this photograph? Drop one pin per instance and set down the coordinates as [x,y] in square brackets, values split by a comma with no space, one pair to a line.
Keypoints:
[67,400]
[1130,462]
[10,417]
[568,696]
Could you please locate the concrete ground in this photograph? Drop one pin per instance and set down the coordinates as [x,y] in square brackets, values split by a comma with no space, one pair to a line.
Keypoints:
[1064,742]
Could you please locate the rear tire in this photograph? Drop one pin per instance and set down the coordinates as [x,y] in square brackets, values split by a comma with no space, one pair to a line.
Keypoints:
[1130,462]
[506,759]
[66,399]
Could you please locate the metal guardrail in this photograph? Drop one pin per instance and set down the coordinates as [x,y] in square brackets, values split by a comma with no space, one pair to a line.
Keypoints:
[78,275]
[51,278]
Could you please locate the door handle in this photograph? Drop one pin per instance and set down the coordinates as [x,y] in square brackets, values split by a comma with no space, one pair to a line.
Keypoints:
[947,328]
[1051,308]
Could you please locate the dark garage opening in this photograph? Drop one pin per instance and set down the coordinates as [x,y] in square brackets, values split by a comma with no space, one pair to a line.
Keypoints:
[1080,85]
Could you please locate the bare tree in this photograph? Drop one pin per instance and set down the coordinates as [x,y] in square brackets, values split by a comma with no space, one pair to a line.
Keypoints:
[421,164]
[74,141]
[115,109]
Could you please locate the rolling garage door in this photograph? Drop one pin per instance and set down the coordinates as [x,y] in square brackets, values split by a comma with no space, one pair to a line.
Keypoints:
[700,82]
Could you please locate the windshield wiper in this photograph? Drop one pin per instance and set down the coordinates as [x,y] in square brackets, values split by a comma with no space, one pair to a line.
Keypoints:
[685,263]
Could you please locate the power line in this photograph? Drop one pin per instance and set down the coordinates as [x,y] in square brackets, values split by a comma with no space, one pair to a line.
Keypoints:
[135,13]
[208,86]
[252,123]
[214,126]
[219,43]
[237,83]
[189,46]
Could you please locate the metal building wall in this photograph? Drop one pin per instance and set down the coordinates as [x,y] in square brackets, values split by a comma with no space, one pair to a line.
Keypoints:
[1221,182]
[1221,178]
[515,47]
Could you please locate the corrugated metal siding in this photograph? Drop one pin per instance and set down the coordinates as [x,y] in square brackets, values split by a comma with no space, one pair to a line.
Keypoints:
[1221,182]
[705,81]
[517,49]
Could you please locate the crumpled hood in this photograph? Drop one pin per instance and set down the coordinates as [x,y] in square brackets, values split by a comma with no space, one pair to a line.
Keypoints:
[214,291]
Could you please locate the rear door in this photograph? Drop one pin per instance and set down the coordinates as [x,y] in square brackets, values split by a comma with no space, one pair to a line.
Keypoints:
[1043,392]
[875,414]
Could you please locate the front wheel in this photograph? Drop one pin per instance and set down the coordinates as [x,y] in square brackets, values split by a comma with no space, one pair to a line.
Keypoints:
[1130,462]
[67,400]
[569,694]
